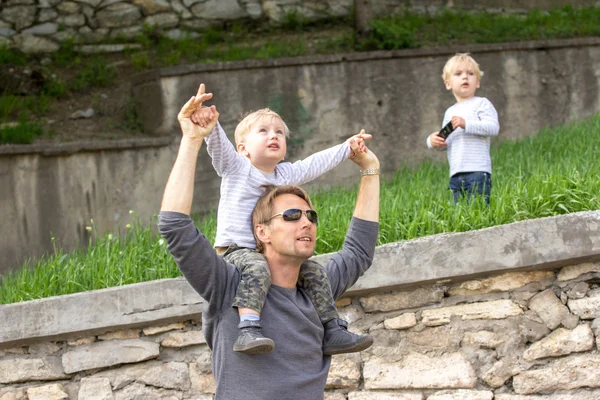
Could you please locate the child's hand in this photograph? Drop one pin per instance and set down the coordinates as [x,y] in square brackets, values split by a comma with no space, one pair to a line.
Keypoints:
[436,141]
[458,122]
[357,143]
[203,115]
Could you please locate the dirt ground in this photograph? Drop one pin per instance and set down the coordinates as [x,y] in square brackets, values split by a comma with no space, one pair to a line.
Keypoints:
[69,117]
[113,108]
[92,113]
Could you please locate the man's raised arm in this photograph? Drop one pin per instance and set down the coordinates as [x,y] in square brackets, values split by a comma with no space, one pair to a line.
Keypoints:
[367,200]
[208,273]
[179,191]
[356,256]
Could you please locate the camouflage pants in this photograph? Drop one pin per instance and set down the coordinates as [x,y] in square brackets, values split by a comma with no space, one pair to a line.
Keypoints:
[256,280]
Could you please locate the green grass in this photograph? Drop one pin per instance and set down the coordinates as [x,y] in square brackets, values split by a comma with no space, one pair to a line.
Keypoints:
[555,172]
[10,56]
[407,30]
[22,107]
[21,133]
[410,30]
[19,116]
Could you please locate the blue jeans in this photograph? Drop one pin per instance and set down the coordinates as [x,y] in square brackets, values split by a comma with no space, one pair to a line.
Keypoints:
[469,184]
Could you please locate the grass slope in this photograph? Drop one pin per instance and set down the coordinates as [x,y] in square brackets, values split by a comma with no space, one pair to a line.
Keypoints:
[555,172]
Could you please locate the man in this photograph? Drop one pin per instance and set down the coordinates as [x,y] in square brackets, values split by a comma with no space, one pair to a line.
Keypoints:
[285,228]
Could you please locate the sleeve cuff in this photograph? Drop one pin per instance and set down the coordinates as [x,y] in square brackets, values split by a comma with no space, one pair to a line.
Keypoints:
[172,217]
[368,230]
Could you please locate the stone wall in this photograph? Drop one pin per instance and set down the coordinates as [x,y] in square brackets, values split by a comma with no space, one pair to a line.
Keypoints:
[507,313]
[39,26]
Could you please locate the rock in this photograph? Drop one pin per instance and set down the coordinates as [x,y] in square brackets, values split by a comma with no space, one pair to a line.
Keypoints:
[79,114]
[48,392]
[31,369]
[498,309]
[564,374]
[462,394]
[404,321]
[501,283]
[155,330]
[344,373]
[107,354]
[95,389]
[183,339]
[575,271]
[562,342]
[587,307]
[402,300]
[418,371]
[549,308]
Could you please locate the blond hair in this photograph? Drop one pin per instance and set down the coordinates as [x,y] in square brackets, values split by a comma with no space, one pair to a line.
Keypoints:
[264,206]
[457,59]
[246,123]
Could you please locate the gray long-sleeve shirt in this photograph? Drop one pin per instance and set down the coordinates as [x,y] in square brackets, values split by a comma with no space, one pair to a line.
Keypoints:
[296,369]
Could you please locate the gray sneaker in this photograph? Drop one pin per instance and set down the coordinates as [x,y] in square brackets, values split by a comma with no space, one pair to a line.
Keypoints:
[338,340]
[250,340]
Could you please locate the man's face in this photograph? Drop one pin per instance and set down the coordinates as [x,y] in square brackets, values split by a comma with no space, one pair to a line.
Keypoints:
[290,239]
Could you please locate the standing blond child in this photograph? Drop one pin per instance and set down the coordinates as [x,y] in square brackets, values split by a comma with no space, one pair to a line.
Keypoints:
[474,121]
[255,161]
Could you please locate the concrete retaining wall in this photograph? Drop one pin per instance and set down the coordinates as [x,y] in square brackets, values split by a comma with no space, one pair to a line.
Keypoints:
[57,191]
[397,96]
[506,313]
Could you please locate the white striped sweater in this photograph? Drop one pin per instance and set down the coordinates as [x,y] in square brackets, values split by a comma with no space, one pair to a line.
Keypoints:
[241,183]
[469,148]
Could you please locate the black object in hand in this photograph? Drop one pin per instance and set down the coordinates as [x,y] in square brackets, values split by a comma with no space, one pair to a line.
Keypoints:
[446,130]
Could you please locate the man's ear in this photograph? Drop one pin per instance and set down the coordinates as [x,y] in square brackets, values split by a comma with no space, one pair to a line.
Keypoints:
[263,233]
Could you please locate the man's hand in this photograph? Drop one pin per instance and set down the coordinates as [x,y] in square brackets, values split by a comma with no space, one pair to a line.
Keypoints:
[437,141]
[367,200]
[359,143]
[458,122]
[180,186]
[189,129]
[360,154]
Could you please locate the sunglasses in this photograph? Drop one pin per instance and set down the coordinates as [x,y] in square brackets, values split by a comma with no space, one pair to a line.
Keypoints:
[294,214]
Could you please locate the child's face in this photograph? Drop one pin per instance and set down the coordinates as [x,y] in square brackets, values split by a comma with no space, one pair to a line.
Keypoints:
[463,82]
[264,144]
